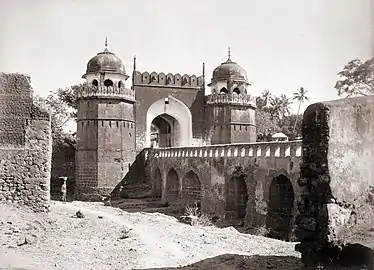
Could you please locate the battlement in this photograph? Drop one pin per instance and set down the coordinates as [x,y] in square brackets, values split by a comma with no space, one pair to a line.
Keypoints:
[168,80]
[259,149]
[102,91]
[232,99]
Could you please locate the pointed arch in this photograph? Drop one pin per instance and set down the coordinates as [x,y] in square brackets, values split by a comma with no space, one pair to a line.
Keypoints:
[178,111]
[280,209]
[236,90]
[191,187]
[108,82]
[157,183]
[237,194]
[172,186]
[95,82]
[223,90]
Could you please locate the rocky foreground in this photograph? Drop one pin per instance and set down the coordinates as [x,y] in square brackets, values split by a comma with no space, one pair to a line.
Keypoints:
[110,238]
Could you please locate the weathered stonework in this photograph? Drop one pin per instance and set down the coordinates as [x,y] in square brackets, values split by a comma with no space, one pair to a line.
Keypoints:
[25,145]
[166,137]
[336,176]
[235,180]
[63,164]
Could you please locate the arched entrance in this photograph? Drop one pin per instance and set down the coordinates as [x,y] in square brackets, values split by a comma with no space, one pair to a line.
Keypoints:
[169,114]
[157,183]
[237,194]
[172,186]
[165,131]
[191,187]
[281,199]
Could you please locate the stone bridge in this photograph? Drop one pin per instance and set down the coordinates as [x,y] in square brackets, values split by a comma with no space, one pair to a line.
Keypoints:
[254,182]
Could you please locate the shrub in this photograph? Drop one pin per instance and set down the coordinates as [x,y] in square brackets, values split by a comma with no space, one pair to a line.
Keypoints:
[261,231]
[125,233]
[198,219]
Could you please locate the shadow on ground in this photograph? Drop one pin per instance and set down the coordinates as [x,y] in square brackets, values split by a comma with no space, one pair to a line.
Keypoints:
[236,262]
[354,257]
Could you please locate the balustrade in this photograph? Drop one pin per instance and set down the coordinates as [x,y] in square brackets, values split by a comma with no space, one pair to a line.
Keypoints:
[240,99]
[103,91]
[263,149]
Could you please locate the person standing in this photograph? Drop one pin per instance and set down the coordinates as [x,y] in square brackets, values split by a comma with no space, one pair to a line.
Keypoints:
[63,189]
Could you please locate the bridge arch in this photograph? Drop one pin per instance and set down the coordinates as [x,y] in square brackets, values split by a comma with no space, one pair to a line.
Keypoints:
[191,187]
[237,194]
[157,183]
[280,208]
[172,185]
[173,120]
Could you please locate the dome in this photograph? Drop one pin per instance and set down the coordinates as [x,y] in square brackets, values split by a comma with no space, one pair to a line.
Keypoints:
[105,61]
[229,70]
[279,135]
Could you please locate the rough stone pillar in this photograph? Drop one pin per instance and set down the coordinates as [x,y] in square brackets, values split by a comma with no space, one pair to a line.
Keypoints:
[337,174]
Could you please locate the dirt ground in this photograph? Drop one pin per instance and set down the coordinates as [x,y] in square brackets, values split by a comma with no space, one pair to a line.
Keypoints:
[110,238]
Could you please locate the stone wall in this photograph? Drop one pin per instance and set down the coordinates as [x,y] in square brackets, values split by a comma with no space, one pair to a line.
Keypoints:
[25,145]
[152,87]
[233,181]
[336,177]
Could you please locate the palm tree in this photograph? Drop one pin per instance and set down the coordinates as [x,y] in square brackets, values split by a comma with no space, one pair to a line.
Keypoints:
[300,96]
[266,95]
[285,104]
[280,106]
[263,100]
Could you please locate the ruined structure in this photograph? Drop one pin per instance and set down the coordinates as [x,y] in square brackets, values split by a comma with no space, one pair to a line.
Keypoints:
[165,137]
[25,145]
[336,183]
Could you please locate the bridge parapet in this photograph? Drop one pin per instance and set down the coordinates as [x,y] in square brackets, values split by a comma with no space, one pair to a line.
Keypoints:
[259,149]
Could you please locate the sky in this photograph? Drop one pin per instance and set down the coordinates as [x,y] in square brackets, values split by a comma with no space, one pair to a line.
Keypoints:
[282,44]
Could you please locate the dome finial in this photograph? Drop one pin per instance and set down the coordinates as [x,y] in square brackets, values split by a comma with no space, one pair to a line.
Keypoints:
[106,42]
[229,52]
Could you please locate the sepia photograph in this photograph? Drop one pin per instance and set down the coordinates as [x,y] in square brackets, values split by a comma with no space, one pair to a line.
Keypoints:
[192,135]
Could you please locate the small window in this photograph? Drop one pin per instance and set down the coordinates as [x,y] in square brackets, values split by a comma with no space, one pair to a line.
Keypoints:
[236,91]
[108,83]
[95,82]
[120,84]
[223,91]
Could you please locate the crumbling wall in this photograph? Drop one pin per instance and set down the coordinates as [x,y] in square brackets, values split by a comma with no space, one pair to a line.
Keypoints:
[336,177]
[25,145]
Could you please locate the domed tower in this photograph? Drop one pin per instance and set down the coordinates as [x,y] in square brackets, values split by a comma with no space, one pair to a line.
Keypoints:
[232,109]
[105,127]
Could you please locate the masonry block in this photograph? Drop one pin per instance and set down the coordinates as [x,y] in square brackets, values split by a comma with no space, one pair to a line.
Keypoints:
[25,145]
[336,177]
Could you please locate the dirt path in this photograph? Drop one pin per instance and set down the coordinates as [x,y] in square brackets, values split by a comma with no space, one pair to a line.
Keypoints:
[60,241]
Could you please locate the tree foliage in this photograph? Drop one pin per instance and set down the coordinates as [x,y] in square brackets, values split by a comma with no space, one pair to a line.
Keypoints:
[300,96]
[273,115]
[356,78]
[56,103]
